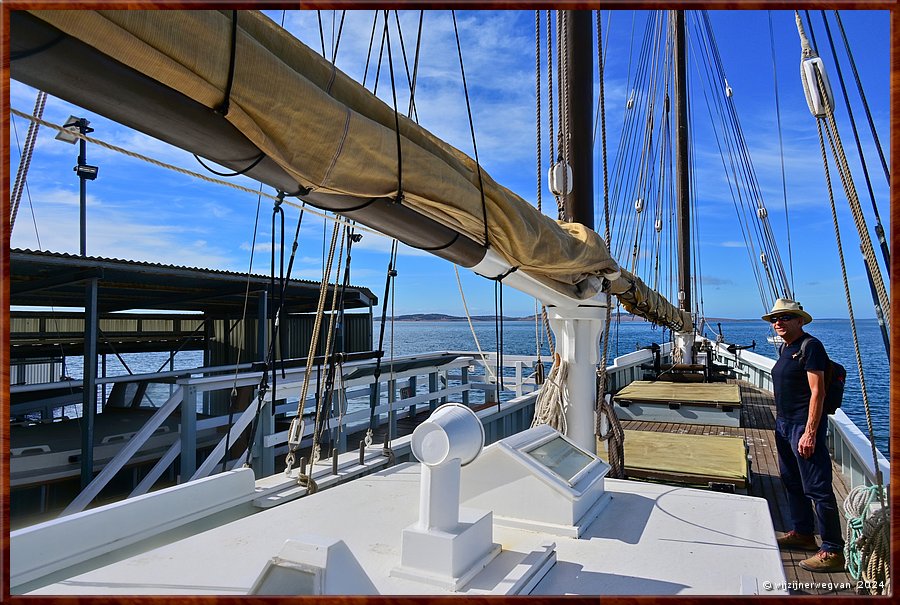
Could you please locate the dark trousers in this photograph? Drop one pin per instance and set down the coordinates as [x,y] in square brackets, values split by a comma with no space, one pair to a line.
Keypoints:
[809,479]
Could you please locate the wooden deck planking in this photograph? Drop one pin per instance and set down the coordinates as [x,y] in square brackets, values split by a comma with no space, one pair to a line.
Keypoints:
[757,428]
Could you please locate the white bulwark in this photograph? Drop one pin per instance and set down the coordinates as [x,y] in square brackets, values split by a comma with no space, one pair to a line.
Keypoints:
[632,538]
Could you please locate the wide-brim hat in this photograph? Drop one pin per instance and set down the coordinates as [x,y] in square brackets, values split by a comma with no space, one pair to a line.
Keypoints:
[786,305]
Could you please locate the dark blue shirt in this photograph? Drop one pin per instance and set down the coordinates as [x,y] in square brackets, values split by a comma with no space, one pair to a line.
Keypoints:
[789,378]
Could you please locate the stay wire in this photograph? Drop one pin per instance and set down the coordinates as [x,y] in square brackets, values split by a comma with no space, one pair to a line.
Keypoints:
[787,222]
[862,96]
[369,52]
[412,113]
[233,396]
[321,33]
[487,241]
[337,42]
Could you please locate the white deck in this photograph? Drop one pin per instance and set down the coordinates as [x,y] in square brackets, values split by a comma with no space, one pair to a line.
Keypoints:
[650,539]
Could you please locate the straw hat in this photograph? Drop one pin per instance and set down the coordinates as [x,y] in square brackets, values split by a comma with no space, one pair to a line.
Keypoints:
[786,305]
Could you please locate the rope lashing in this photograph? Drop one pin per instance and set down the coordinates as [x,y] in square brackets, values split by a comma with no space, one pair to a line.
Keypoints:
[550,407]
[614,436]
[867,547]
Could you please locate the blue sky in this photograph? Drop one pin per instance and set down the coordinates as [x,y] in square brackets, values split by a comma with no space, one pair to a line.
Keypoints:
[137,211]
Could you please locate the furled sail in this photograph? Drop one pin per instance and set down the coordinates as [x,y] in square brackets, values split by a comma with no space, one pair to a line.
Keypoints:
[332,136]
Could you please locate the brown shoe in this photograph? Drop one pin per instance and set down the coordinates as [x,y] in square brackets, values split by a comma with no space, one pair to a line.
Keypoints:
[824,561]
[794,541]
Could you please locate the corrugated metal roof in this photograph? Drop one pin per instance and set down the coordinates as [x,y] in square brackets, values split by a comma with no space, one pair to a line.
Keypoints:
[46,279]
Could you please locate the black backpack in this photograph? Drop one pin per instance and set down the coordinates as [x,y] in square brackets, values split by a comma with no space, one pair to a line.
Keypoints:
[835,377]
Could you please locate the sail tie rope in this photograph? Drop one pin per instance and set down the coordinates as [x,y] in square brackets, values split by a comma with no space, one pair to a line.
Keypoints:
[240,172]
[223,108]
[867,548]
[550,407]
[30,52]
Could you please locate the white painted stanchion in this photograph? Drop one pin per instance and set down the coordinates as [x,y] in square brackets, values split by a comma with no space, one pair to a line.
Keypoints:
[577,331]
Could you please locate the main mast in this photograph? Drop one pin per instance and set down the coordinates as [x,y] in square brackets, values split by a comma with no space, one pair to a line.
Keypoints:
[576,114]
[682,180]
[578,327]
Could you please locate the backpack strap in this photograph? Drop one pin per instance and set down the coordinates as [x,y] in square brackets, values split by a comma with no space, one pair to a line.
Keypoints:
[802,356]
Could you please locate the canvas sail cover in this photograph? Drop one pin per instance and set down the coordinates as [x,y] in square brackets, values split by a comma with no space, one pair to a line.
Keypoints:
[333,136]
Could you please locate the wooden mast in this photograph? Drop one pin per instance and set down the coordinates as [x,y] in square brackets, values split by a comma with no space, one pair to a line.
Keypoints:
[576,113]
[682,174]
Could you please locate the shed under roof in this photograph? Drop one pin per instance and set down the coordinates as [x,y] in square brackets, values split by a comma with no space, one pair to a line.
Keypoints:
[44,279]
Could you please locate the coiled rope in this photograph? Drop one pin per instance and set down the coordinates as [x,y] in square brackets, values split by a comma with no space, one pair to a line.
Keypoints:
[868,545]
[550,407]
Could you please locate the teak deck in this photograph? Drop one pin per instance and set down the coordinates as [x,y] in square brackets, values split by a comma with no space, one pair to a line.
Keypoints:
[757,428]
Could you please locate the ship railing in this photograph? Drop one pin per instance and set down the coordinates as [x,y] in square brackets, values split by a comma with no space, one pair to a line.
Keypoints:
[391,398]
[849,447]
[521,369]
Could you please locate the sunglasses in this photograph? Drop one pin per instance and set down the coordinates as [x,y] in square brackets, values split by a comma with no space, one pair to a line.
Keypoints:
[777,318]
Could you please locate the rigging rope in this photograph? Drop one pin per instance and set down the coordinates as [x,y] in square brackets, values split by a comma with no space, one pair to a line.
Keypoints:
[487,367]
[387,35]
[487,241]
[294,438]
[25,160]
[879,229]
[190,173]
[540,315]
[237,361]
[787,222]
[615,436]
[859,364]
[862,95]
[882,299]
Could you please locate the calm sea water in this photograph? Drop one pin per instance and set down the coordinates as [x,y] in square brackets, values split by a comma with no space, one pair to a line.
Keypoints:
[519,339]
[407,338]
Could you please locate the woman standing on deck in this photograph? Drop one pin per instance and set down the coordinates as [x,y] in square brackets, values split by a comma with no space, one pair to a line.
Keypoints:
[799,384]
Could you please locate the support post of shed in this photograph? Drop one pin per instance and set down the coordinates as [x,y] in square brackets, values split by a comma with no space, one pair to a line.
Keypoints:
[89,383]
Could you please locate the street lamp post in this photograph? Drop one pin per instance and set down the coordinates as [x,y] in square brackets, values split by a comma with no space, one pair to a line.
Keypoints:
[86,173]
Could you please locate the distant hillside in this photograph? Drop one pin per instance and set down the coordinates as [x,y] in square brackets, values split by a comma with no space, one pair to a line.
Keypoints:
[444,317]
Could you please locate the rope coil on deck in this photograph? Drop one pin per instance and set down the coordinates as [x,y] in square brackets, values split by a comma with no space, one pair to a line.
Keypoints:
[868,544]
